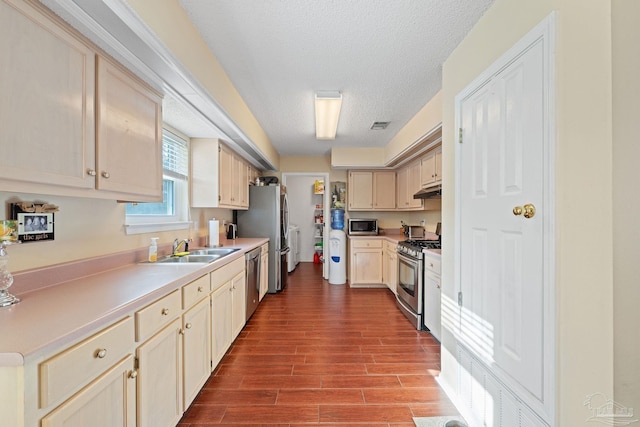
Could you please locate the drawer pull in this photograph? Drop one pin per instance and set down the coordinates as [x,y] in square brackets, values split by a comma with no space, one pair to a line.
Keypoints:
[133,374]
[91,172]
[101,353]
[106,175]
[431,264]
[200,289]
[165,312]
[188,326]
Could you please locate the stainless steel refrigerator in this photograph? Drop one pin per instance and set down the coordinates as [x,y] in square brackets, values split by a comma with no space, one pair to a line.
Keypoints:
[268,216]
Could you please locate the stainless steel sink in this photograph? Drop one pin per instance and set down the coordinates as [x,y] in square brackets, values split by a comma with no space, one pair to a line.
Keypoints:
[213,251]
[202,256]
[202,259]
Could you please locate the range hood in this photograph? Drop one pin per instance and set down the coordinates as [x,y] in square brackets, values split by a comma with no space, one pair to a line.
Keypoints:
[429,193]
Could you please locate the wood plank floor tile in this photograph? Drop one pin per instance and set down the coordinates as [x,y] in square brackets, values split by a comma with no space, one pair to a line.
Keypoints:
[366,413]
[322,396]
[403,395]
[324,355]
[361,381]
[330,369]
[281,381]
[271,414]
[237,397]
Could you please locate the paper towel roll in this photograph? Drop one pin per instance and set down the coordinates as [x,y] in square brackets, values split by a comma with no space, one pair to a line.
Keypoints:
[214,233]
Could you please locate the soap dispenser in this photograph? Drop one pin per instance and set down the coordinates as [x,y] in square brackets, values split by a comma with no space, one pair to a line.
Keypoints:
[153,250]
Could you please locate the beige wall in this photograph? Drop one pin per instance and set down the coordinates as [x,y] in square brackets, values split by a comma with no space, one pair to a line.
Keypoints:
[424,122]
[583,179]
[171,24]
[626,204]
[86,228]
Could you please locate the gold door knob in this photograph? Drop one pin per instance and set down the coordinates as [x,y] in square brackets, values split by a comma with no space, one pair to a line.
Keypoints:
[528,211]
[133,374]
[101,353]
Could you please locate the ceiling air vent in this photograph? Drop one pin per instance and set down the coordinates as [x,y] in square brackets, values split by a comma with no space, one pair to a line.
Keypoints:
[379,125]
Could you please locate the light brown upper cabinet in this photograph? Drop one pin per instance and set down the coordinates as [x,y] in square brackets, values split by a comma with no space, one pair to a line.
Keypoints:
[128,133]
[49,119]
[408,185]
[431,167]
[372,190]
[219,176]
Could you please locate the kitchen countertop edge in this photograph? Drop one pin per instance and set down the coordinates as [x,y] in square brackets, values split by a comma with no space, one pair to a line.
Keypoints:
[57,316]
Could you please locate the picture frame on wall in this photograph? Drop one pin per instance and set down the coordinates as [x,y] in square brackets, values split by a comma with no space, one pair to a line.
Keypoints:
[33,226]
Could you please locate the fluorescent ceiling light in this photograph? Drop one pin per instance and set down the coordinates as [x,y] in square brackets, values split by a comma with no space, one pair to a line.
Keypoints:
[328,106]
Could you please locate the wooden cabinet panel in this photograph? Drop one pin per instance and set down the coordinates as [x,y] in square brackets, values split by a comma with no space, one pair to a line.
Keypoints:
[430,167]
[360,190]
[128,133]
[219,177]
[80,364]
[77,122]
[156,315]
[408,184]
[366,260]
[372,190]
[220,322]
[160,378]
[108,401]
[196,346]
[47,102]
[195,291]
[384,190]
[238,303]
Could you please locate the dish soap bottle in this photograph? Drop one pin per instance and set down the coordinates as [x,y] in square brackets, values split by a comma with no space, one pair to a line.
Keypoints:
[153,250]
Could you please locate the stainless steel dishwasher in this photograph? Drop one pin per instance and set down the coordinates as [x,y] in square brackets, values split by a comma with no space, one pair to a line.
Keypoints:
[252,271]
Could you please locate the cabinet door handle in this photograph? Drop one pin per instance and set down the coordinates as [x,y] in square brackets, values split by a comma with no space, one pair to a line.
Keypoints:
[91,172]
[200,289]
[165,312]
[133,374]
[105,174]
[188,326]
[101,353]
[181,331]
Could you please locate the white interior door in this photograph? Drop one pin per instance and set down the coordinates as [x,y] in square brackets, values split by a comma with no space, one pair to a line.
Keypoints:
[501,247]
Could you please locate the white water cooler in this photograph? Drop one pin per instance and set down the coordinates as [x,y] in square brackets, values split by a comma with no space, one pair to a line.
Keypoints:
[337,257]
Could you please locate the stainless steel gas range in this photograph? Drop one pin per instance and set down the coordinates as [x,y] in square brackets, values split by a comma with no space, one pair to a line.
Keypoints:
[411,276]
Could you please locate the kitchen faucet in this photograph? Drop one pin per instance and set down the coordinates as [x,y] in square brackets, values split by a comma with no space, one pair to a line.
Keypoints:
[177,243]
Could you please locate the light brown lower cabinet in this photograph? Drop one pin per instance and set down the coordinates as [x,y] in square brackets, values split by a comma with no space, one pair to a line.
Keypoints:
[160,378]
[108,401]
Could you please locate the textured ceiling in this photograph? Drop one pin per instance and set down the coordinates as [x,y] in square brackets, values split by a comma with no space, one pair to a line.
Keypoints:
[384,56]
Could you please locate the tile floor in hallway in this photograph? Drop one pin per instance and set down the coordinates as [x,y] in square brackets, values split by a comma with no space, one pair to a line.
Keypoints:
[324,355]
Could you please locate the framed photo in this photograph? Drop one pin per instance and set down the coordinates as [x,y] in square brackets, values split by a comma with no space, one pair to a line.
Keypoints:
[33,226]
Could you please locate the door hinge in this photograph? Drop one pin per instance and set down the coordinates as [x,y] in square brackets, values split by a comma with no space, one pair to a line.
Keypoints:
[136,363]
[460,135]
[460,298]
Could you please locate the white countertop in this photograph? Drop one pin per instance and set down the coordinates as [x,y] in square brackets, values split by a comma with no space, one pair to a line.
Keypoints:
[52,317]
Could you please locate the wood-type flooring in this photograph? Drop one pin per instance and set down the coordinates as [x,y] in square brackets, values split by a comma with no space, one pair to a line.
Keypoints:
[324,355]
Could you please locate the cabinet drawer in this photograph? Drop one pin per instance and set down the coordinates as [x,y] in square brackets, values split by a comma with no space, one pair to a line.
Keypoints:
[222,275]
[366,244]
[432,264]
[153,317]
[195,291]
[78,365]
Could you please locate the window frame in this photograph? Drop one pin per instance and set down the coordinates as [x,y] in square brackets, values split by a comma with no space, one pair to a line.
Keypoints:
[180,219]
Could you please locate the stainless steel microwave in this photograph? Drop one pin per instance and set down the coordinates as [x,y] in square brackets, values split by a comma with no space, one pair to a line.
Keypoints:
[363,226]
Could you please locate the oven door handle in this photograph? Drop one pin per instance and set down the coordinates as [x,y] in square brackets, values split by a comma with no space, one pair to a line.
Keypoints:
[402,303]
